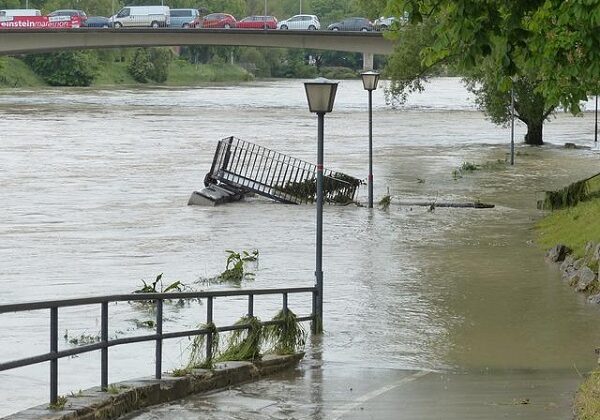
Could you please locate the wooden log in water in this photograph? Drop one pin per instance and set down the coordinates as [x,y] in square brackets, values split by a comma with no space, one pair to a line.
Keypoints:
[474,205]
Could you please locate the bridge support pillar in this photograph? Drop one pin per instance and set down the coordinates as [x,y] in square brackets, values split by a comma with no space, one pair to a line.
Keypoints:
[367,61]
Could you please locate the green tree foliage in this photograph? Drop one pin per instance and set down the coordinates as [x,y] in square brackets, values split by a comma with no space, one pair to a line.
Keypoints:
[65,68]
[499,45]
[556,40]
[150,64]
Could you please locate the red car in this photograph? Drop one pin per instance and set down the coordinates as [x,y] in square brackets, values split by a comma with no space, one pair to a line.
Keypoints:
[258,22]
[218,20]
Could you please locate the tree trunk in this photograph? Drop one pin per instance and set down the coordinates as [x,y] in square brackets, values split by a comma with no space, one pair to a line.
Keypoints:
[534,136]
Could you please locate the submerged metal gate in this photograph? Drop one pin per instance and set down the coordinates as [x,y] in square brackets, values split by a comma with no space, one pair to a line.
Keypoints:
[252,168]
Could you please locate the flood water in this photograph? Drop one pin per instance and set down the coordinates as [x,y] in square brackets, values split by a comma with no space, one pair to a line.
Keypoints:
[94,189]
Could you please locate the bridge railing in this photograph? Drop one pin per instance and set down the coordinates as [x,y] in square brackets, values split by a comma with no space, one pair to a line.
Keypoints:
[54,355]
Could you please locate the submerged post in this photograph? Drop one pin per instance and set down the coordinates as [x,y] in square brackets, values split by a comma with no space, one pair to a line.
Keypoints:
[159,331]
[104,351]
[209,321]
[596,127]
[512,125]
[321,96]
[53,351]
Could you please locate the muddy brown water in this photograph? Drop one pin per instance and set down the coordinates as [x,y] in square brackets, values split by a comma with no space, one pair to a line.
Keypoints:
[94,190]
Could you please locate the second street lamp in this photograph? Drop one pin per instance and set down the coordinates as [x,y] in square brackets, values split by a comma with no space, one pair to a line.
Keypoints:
[370,80]
[320,94]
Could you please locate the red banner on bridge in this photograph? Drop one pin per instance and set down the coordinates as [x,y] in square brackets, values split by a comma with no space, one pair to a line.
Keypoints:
[40,22]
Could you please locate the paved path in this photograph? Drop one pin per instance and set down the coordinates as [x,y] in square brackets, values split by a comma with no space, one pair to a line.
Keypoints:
[338,391]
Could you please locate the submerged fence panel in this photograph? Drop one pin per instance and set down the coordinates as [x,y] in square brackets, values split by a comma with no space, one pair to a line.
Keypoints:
[247,166]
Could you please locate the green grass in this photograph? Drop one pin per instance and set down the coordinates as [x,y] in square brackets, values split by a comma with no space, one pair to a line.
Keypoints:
[182,73]
[573,227]
[587,400]
[14,73]
[113,73]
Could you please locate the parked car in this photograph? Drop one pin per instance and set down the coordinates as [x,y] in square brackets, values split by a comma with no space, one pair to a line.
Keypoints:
[142,16]
[98,22]
[383,23]
[352,24]
[8,13]
[183,18]
[70,13]
[218,20]
[258,22]
[305,22]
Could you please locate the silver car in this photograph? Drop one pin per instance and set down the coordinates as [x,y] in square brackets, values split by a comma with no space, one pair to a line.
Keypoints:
[301,22]
[183,18]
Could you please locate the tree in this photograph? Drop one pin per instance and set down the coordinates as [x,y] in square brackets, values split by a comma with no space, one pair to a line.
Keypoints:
[65,68]
[498,45]
[556,40]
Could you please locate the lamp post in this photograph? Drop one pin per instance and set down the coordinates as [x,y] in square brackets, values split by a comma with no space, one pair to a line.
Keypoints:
[370,80]
[320,94]
[512,124]
[596,127]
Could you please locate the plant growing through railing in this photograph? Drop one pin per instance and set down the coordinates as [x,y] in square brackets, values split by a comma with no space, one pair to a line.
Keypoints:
[244,345]
[59,404]
[198,358]
[287,337]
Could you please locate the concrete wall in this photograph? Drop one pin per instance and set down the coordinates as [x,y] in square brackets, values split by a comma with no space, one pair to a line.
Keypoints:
[133,395]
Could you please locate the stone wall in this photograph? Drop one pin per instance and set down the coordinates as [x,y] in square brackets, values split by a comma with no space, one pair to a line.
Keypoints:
[579,273]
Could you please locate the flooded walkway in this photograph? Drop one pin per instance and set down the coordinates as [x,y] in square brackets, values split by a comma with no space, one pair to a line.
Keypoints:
[462,294]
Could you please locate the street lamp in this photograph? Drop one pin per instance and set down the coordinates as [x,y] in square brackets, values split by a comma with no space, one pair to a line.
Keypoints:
[370,80]
[596,127]
[320,94]
[512,123]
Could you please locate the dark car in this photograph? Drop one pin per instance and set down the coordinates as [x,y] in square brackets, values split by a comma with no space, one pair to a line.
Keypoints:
[98,22]
[352,24]
[70,13]
[258,22]
[218,20]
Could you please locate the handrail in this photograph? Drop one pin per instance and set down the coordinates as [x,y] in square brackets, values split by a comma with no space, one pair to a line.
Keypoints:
[105,343]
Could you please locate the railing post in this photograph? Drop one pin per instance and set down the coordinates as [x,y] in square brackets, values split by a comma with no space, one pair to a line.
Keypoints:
[250,305]
[104,351]
[285,303]
[209,321]
[53,351]
[314,327]
[159,331]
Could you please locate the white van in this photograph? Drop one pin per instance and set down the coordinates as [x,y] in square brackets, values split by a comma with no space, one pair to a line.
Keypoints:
[6,13]
[142,16]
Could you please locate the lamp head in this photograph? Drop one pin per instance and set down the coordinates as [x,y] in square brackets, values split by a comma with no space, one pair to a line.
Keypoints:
[370,80]
[320,94]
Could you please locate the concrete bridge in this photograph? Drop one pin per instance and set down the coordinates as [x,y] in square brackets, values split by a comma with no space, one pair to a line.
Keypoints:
[26,41]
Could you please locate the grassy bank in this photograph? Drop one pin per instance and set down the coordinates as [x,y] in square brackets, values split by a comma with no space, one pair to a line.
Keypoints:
[14,73]
[587,400]
[573,227]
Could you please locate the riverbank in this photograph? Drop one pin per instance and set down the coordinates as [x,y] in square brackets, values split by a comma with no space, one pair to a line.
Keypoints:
[578,230]
[14,73]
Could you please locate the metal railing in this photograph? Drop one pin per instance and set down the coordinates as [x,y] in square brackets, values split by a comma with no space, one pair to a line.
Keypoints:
[54,355]
[248,166]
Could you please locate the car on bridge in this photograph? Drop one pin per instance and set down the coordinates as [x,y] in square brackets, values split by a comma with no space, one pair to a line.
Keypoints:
[302,22]
[98,22]
[183,18]
[68,14]
[217,20]
[352,24]
[258,22]
[142,16]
